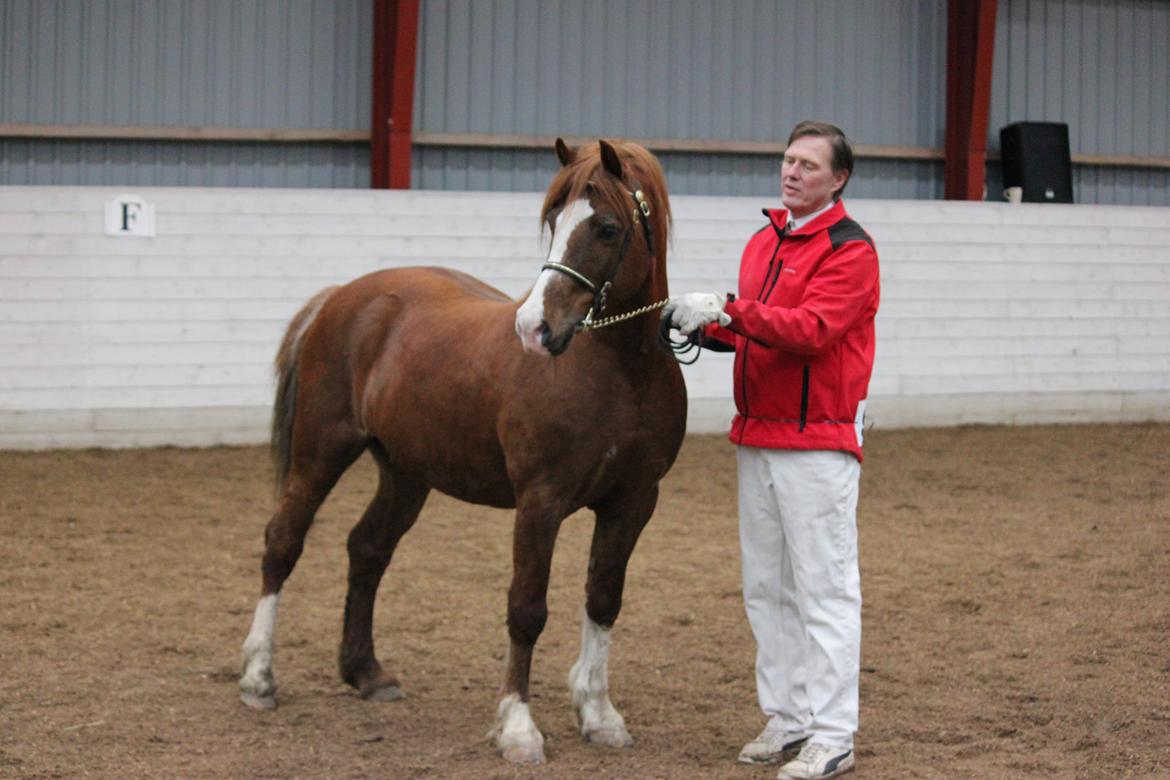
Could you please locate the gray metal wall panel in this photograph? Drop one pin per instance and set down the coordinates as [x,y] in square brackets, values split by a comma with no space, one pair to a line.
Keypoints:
[222,63]
[1102,66]
[233,63]
[742,69]
[152,163]
[684,69]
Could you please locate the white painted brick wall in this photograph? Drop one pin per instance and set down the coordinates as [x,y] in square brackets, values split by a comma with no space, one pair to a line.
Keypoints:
[990,313]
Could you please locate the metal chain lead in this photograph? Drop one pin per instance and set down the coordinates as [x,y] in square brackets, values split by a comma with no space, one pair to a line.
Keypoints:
[591,324]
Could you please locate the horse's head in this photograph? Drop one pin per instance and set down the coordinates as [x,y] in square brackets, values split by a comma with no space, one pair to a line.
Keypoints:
[608,213]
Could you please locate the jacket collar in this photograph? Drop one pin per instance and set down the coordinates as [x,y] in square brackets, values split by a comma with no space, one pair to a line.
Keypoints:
[779,218]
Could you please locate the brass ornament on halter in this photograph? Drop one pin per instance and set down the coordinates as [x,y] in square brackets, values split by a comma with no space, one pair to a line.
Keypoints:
[640,198]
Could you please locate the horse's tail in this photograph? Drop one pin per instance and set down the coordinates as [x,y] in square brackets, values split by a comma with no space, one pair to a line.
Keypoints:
[285,406]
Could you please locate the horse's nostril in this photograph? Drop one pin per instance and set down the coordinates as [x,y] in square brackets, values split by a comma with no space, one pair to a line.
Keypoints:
[545,334]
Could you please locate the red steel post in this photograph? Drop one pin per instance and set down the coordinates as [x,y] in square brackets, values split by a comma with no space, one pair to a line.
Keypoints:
[395,41]
[970,49]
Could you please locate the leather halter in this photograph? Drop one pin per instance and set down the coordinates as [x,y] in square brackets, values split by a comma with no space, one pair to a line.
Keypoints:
[601,292]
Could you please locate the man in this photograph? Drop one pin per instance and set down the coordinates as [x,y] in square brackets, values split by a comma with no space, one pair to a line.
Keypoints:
[803,334]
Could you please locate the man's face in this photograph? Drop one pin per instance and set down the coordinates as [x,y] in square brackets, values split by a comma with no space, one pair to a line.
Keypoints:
[807,180]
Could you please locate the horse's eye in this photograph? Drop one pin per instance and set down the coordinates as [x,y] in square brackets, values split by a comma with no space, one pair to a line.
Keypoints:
[608,232]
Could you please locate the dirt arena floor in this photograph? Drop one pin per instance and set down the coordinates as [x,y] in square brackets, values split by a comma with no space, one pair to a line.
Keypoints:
[1016,624]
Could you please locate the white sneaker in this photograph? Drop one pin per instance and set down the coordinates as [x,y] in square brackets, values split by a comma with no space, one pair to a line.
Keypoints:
[771,745]
[817,761]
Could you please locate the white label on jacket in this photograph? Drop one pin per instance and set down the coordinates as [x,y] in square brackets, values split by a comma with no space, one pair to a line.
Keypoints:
[859,421]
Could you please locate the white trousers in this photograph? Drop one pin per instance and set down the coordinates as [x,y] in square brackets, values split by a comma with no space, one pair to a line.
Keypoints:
[802,587]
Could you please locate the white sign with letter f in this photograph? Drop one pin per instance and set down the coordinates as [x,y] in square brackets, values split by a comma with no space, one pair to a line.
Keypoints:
[129,215]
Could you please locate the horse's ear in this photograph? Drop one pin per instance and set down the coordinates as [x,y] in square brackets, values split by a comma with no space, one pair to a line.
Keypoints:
[565,153]
[610,160]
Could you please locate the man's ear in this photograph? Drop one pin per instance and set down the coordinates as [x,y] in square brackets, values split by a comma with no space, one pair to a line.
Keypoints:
[840,178]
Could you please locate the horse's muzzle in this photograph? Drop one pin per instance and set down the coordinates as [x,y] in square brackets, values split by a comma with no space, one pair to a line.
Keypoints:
[540,339]
[555,344]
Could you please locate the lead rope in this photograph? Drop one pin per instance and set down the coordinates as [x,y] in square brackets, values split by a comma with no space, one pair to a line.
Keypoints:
[680,347]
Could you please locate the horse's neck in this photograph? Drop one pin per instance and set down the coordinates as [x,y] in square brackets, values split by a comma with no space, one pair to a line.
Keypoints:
[640,333]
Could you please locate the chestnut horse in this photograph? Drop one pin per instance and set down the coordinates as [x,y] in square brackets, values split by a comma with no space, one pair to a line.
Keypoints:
[422,367]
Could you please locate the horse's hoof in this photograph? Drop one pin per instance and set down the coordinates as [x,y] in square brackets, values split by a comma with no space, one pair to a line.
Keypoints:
[382,693]
[617,738]
[524,754]
[255,702]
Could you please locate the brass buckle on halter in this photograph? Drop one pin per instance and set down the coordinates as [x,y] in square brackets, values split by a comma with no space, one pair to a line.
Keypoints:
[643,206]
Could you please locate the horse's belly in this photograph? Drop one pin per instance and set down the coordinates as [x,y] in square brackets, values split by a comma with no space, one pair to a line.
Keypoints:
[459,457]
[473,491]
[477,477]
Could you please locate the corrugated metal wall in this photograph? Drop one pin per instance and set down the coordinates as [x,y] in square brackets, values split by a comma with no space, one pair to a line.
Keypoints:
[219,63]
[1102,67]
[742,70]
[726,69]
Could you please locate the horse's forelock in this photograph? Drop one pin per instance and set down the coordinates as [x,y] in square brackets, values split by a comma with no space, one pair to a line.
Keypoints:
[641,171]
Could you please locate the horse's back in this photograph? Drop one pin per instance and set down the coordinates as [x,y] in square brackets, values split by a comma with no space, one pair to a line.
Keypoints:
[364,318]
[360,321]
[428,284]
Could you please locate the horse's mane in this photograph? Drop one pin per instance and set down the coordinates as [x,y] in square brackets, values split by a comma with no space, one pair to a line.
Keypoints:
[640,171]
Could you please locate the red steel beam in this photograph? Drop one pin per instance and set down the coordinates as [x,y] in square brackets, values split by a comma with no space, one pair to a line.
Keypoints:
[395,41]
[970,46]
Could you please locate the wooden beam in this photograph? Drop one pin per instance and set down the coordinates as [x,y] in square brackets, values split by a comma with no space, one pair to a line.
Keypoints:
[395,43]
[677,145]
[970,49]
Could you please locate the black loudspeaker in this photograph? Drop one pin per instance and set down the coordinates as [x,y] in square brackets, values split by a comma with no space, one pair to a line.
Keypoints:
[1035,157]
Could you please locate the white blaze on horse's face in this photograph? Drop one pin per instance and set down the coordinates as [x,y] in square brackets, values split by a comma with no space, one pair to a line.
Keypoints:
[530,322]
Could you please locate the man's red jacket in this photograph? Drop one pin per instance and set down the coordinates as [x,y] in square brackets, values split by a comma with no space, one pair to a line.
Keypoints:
[802,329]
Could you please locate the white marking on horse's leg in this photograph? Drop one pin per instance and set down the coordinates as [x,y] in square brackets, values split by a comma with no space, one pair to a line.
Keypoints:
[257,684]
[515,733]
[589,685]
[530,315]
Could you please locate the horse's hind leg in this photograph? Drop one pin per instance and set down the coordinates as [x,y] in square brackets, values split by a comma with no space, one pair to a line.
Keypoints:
[308,483]
[371,545]
[619,524]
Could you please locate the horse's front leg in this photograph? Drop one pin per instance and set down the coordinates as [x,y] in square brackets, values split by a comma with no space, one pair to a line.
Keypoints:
[619,524]
[515,733]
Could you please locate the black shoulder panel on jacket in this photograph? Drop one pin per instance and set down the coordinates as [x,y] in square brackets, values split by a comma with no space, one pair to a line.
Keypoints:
[847,230]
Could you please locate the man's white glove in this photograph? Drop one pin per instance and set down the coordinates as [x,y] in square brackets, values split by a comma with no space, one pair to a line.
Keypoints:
[692,311]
